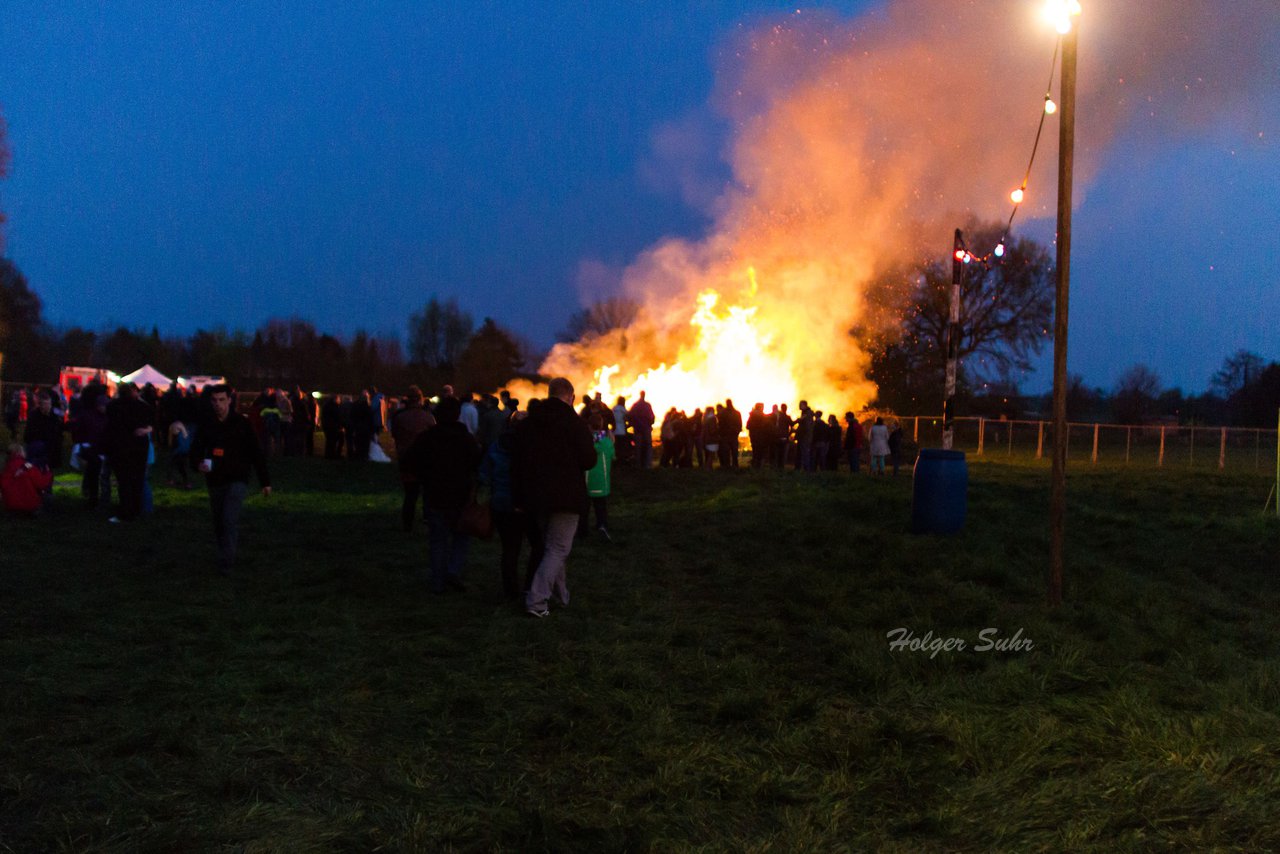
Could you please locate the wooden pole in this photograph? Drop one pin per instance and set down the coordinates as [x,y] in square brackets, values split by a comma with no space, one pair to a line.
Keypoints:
[916,435]
[1222,451]
[1040,443]
[1094,459]
[1066,158]
[1128,441]
[982,435]
[1011,438]
[1193,444]
[1160,462]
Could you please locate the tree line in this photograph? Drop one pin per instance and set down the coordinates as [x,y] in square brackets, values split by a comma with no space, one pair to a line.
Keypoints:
[1006,313]
[445,345]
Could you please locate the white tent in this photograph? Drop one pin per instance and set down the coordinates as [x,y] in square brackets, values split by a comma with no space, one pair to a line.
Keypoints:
[147,374]
[198,382]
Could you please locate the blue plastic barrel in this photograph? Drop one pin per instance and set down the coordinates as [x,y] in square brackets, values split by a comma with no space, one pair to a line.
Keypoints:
[939,492]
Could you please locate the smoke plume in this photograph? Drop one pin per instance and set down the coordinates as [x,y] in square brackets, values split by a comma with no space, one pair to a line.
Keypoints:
[858,143]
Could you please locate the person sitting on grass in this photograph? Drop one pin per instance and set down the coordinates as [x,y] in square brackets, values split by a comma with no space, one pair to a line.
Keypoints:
[26,488]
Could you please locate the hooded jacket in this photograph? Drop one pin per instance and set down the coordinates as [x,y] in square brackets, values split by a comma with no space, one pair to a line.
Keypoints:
[22,484]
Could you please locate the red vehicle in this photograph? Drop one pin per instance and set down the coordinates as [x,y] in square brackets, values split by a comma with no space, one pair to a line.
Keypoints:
[71,379]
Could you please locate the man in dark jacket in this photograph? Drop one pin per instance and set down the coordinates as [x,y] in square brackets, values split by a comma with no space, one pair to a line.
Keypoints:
[406,426]
[227,447]
[361,427]
[44,433]
[553,452]
[760,432]
[88,431]
[444,459]
[730,429]
[128,441]
[331,426]
[304,420]
[641,419]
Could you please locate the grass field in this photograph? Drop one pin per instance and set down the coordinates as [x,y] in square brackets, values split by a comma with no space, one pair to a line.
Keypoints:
[721,681]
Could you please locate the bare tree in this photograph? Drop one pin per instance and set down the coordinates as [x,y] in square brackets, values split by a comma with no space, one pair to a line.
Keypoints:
[600,317]
[490,359]
[438,333]
[1006,307]
[1238,370]
[1135,395]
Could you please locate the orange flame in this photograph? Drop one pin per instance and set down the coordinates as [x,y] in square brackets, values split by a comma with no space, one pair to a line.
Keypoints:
[732,357]
[739,347]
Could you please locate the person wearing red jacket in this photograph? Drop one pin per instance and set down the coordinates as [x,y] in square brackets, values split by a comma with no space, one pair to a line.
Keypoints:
[23,485]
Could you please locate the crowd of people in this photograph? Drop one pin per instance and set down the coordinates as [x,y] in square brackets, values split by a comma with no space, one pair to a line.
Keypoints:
[115,441]
[542,472]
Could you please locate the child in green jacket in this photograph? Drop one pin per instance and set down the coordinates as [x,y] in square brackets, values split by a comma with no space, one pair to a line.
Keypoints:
[600,478]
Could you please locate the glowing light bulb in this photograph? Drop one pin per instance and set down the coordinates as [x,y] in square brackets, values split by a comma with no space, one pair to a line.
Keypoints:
[1049,106]
[960,253]
[967,257]
[1059,12]
[999,250]
[1016,196]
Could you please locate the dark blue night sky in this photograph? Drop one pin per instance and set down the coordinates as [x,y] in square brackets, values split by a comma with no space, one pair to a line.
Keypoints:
[200,164]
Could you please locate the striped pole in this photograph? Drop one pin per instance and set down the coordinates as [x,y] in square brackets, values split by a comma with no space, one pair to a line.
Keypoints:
[952,343]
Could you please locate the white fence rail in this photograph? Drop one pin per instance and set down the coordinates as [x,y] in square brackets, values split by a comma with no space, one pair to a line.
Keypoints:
[1198,446]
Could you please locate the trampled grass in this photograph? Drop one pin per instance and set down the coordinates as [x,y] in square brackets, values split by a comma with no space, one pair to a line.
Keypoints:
[721,681]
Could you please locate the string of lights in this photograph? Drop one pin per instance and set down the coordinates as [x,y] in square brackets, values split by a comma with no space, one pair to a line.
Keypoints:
[1059,12]
[1049,109]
